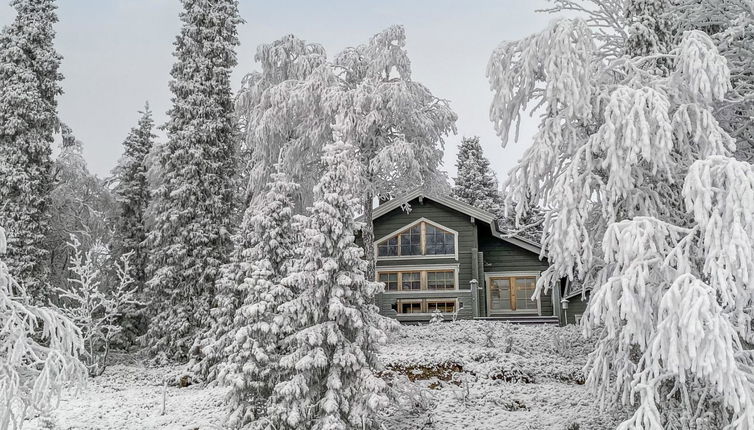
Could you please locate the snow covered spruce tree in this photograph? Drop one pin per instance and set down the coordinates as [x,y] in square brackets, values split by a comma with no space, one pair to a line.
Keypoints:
[644,204]
[39,351]
[476,183]
[397,126]
[283,117]
[29,79]
[131,192]
[247,342]
[190,238]
[328,379]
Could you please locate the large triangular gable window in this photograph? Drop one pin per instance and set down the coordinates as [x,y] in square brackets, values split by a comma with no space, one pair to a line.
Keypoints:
[421,238]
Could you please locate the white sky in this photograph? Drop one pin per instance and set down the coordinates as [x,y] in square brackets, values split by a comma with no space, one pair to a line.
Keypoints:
[118,53]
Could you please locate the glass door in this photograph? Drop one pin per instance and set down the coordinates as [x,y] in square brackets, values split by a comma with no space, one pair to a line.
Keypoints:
[511,294]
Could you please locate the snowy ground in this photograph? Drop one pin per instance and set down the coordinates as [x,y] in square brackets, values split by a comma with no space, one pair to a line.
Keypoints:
[443,376]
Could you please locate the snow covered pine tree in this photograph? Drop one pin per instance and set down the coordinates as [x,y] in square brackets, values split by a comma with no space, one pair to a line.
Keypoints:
[39,351]
[245,344]
[476,183]
[29,79]
[191,237]
[329,381]
[131,193]
[643,203]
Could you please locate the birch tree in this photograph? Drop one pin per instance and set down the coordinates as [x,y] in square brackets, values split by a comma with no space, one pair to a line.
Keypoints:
[641,200]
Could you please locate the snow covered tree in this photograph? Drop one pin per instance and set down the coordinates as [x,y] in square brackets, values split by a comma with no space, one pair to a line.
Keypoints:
[131,192]
[643,203]
[190,238]
[80,204]
[247,338]
[476,183]
[731,25]
[327,378]
[282,115]
[397,126]
[39,351]
[29,79]
[92,306]
[268,232]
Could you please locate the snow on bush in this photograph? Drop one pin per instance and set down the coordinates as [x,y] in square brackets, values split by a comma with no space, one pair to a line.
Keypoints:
[39,351]
[96,308]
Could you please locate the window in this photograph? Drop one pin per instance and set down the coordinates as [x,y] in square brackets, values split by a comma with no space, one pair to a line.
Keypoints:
[427,306]
[443,305]
[388,247]
[390,280]
[439,242]
[445,280]
[418,280]
[411,241]
[420,239]
[411,281]
[511,294]
[410,306]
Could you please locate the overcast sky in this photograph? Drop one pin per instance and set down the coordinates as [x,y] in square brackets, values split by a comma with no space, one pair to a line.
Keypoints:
[117,55]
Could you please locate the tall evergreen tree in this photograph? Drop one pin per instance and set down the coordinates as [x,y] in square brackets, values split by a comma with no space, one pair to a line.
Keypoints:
[131,192]
[190,238]
[30,84]
[328,372]
[476,184]
[252,339]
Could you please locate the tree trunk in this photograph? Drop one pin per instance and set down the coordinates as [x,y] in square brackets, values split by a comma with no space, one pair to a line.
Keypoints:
[367,235]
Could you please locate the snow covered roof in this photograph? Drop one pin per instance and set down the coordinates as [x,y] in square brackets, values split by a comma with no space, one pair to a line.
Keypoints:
[465,208]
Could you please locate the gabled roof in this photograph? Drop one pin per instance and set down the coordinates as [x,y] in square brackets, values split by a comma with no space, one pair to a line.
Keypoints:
[465,208]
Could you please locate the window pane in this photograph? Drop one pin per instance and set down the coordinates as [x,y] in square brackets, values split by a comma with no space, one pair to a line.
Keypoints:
[439,242]
[500,294]
[411,281]
[441,280]
[447,306]
[524,290]
[410,307]
[411,241]
[390,280]
[388,247]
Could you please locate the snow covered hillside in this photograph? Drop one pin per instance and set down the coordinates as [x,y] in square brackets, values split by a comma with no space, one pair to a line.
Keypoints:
[442,376]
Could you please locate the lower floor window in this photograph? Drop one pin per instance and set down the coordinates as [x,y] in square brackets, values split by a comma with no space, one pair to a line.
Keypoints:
[426,306]
[418,280]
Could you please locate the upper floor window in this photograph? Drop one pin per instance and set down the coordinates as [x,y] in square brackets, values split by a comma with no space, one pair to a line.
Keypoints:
[421,238]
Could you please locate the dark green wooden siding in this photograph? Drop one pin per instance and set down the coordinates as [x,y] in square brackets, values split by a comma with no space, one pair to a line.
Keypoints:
[494,255]
[446,217]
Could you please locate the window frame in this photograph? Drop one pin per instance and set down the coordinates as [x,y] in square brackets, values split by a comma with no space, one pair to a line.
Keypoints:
[488,276]
[423,255]
[423,270]
[425,305]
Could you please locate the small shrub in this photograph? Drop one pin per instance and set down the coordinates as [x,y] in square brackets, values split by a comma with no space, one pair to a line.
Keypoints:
[504,372]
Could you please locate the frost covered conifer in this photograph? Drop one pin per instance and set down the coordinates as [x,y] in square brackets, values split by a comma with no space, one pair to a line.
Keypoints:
[328,368]
[190,238]
[131,193]
[645,205]
[29,79]
[251,343]
[268,236]
[476,183]
[39,351]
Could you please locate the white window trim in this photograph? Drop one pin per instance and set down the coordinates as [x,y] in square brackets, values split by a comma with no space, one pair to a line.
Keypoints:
[426,268]
[487,283]
[417,257]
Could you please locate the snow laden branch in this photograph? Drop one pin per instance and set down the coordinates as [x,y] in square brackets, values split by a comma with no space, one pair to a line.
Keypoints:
[96,308]
[39,351]
[644,207]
